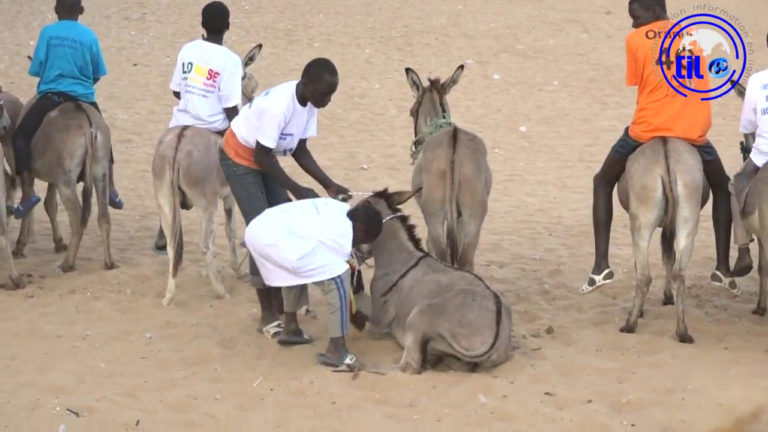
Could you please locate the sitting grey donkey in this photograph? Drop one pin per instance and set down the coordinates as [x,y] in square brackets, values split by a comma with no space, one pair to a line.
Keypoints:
[435,311]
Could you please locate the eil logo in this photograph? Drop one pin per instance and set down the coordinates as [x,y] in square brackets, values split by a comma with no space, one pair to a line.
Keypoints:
[714,46]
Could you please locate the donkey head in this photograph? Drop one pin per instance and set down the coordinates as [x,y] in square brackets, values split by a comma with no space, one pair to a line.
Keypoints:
[369,215]
[430,103]
[249,82]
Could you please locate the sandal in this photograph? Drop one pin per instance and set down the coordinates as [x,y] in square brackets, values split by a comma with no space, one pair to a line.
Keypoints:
[348,363]
[25,207]
[273,330]
[114,201]
[597,281]
[730,284]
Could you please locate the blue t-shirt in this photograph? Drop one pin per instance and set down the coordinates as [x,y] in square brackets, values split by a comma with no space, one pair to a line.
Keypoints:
[68,59]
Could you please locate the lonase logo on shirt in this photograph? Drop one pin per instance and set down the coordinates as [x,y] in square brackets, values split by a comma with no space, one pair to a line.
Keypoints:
[714,46]
[200,75]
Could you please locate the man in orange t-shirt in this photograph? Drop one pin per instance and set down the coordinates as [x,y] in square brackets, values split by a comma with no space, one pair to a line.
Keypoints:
[660,112]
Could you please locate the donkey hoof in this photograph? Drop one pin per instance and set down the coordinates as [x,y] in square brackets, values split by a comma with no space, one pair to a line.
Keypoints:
[626,328]
[668,301]
[758,311]
[110,266]
[18,254]
[685,338]
[60,247]
[167,301]
[64,268]
[17,282]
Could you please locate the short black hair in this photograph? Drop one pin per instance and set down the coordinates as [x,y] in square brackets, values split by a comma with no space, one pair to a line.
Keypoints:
[215,17]
[318,69]
[69,6]
[651,4]
[369,219]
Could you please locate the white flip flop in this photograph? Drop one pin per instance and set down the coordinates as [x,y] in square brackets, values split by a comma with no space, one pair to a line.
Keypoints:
[728,283]
[600,280]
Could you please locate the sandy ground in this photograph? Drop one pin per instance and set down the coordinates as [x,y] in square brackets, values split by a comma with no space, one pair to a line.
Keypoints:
[101,344]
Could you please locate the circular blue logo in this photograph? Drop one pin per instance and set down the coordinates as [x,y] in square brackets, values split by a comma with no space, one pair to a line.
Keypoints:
[690,49]
[719,67]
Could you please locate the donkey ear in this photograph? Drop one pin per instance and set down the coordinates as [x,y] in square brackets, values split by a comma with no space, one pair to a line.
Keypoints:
[414,81]
[453,80]
[398,198]
[251,56]
[739,89]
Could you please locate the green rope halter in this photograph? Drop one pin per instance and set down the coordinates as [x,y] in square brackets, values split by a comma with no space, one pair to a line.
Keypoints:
[433,126]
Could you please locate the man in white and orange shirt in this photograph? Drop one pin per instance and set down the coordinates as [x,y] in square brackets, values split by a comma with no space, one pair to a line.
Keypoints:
[277,123]
[660,112]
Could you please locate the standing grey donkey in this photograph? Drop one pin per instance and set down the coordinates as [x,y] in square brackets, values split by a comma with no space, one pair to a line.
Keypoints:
[451,170]
[663,186]
[186,173]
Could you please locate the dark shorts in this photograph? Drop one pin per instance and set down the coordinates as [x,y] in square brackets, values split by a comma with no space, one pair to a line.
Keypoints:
[625,146]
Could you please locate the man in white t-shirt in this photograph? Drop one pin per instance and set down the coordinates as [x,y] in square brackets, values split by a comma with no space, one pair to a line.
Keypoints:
[275,124]
[309,242]
[207,81]
[207,77]
[754,123]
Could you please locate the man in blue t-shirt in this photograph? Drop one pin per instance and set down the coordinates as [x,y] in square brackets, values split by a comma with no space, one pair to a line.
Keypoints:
[68,62]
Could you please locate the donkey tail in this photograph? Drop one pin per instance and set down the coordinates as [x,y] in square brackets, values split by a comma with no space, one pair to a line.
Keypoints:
[176,239]
[452,210]
[669,183]
[90,143]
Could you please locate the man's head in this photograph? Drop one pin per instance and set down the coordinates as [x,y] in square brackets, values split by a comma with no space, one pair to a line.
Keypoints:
[320,80]
[69,9]
[215,18]
[366,224]
[644,12]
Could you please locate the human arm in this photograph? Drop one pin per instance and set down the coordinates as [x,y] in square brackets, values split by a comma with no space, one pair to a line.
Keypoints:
[37,62]
[230,88]
[307,162]
[231,112]
[263,157]
[99,69]
[748,121]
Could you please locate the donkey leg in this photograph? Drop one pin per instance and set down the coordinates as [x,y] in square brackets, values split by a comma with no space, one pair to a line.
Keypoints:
[105,224]
[17,282]
[208,235]
[641,239]
[436,240]
[762,269]
[23,239]
[418,327]
[68,194]
[229,225]
[468,237]
[52,209]
[166,226]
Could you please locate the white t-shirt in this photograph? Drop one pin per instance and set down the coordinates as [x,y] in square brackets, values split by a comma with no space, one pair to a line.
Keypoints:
[754,116]
[209,78]
[301,242]
[276,120]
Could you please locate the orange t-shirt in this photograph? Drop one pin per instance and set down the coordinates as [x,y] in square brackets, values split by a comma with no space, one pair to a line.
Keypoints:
[660,110]
[237,151]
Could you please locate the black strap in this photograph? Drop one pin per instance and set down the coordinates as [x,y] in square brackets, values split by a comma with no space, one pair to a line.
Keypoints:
[403,275]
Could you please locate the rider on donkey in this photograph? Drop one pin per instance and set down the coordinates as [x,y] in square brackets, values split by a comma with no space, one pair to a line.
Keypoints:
[660,112]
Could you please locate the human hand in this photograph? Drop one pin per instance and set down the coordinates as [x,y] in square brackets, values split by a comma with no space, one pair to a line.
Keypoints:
[302,192]
[339,192]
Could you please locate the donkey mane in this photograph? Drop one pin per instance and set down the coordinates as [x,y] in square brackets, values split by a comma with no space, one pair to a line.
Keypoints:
[405,220]
[434,83]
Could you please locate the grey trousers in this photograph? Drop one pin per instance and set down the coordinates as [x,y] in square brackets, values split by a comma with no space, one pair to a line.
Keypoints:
[336,292]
